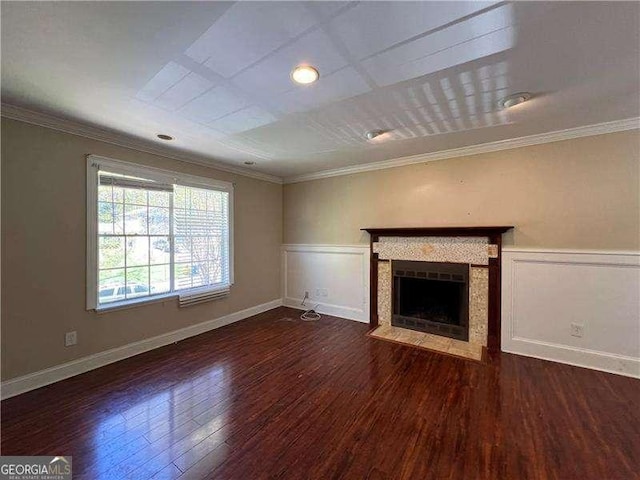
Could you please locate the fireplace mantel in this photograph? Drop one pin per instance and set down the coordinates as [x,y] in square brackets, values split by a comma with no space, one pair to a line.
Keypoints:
[494,237]
[438,231]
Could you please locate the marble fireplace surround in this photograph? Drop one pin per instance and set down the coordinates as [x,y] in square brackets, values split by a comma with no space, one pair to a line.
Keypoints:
[480,247]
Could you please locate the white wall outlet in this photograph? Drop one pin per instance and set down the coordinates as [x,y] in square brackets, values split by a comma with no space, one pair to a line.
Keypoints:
[318,292]
[324,292]
[70,338]
[577,329]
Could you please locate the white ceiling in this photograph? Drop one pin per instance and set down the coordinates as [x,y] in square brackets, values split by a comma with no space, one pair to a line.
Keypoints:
[216,75]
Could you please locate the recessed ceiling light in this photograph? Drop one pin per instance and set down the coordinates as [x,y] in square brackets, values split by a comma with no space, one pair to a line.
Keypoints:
[163,136]
[249,163]
[514,99]
[371,134]
[305,74]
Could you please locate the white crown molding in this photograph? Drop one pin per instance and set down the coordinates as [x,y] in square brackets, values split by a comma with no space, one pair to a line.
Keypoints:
[108,136]
[122,140]
[549,137]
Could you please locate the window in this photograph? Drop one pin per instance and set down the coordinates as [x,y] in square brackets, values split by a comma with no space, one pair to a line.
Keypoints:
[153,233]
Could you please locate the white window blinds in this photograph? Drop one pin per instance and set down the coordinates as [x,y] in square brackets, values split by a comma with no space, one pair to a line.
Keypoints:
[201,237]
[154,233]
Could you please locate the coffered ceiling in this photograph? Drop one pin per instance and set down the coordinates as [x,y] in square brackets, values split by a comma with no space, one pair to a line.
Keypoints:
[216,75]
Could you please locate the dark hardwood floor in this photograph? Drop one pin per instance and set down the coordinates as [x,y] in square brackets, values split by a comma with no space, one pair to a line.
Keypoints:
[278,398]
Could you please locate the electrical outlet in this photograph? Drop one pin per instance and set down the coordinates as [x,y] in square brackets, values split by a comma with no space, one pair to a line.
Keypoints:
[324,292]
[70,338]
[577,329]
[318,292]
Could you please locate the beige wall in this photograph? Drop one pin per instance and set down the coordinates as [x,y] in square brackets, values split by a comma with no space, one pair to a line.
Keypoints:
[579,194]
[44,242]
[576,194]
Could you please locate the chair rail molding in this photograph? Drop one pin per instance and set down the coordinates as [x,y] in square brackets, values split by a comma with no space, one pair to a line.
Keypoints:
[580,307]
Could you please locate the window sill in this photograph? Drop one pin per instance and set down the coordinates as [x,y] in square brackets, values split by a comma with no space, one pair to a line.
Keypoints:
[115,306]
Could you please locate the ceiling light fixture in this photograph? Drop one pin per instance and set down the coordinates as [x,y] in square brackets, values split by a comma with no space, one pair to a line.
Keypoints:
[514,99]
[304,74]
[163,136]
[371,134]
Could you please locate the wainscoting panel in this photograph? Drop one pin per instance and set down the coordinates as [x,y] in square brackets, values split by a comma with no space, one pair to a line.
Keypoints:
[336,277]
[575,307]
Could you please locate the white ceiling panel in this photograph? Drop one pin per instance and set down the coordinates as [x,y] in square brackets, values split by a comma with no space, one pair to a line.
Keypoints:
[327,8]
[480,36]
[215,75]
[272,76]
[345,83]
[372,27]
[185,90]
[162,81]
[245,119]
[291,134]
[214,104]
[247,32]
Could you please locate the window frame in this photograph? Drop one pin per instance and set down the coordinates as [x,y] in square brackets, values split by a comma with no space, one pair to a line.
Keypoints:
[97,162]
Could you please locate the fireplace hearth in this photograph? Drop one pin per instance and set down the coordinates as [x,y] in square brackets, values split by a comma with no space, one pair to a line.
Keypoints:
[431,297]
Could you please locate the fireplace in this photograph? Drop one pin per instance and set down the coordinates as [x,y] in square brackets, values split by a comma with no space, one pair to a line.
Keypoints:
[469,255]
[431,297]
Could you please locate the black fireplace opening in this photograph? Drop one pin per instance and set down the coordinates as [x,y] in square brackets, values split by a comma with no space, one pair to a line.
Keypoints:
[431,297]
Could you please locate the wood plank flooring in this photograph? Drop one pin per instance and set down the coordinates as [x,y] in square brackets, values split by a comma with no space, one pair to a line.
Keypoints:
[273,397]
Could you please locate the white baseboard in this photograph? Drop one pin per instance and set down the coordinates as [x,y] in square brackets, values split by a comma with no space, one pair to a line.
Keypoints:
[25,383]
[544,292]
[327,309]
[579,357]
